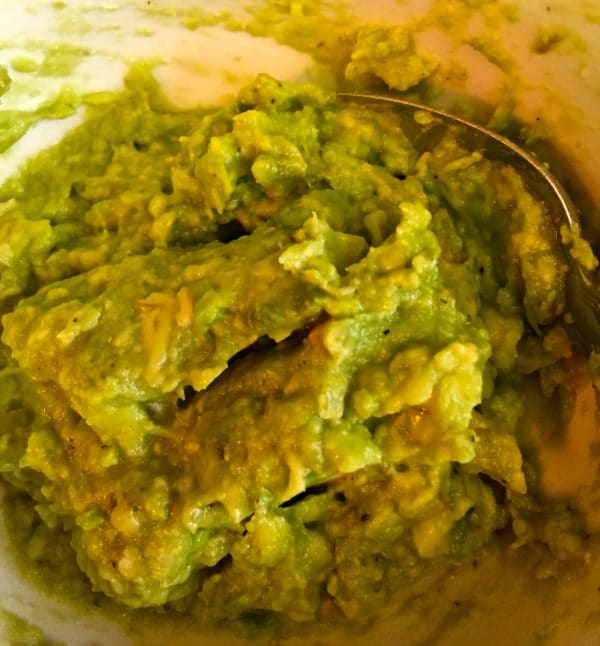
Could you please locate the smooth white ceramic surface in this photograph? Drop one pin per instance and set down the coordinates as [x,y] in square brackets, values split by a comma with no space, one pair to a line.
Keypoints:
[561,88]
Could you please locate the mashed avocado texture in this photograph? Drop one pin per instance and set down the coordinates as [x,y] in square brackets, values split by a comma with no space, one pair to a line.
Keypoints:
[273,358]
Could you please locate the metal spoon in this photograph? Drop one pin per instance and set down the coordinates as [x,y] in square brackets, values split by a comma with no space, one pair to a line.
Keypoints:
[583,289]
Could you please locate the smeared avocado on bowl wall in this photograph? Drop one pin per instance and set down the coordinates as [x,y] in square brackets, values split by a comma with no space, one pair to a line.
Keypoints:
[272,363]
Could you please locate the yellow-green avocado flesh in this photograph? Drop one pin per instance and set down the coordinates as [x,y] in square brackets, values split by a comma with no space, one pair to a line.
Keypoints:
[273,358]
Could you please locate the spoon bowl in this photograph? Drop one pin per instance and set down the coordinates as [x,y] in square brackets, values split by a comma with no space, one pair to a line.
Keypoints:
[583,289]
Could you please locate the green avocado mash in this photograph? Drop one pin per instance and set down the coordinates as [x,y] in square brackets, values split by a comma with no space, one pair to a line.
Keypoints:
[275,358]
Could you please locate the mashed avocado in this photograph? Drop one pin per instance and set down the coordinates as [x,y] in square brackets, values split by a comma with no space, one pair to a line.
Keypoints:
[275,358]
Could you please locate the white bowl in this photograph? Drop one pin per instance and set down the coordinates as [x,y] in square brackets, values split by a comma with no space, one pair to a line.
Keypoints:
[500,601]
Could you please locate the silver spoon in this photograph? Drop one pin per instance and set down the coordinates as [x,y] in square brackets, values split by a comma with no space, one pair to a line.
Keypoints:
[583,289]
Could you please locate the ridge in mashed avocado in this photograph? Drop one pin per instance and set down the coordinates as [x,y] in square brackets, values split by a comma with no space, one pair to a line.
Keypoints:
[19,631]
[275,360]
